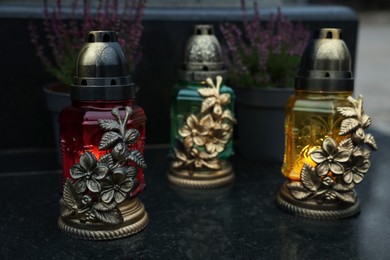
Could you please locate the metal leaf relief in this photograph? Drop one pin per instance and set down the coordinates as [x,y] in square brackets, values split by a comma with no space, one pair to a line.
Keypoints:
[347,144]
[108,160]
[113,216]
[339,166]
[298,191]
[108,140]
[309,179]
[370,141]
[366,121]
[137,157]
[132,136]
[109,124]
[70,197]
[208,103]
[98,186]
[348,197]
[205,135]
[206,92]
[347,111]
[348,125]
[103,207]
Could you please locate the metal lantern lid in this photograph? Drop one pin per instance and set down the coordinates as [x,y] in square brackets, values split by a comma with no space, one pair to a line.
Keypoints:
[102,71]
[203,55]
[326,63]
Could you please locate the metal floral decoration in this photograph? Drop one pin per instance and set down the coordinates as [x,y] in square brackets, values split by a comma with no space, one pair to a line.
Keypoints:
[339,166]
[202,138]
[205,134]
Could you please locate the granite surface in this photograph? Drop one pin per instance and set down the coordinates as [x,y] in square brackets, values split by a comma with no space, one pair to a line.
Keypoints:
[240,221]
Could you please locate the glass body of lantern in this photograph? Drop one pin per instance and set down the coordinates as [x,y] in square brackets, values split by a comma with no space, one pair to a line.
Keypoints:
[188,101]
[310,118]
[80,132]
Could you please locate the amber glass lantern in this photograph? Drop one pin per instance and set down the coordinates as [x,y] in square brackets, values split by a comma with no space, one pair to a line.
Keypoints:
[327,151]
[201,116]
[102,140]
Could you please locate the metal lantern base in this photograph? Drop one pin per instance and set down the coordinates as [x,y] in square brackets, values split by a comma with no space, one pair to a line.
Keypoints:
[312,209]
[202,179]
[135,219]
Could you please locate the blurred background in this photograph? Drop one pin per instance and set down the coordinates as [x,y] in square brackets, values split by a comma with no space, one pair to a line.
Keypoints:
[25,123]
[356,4]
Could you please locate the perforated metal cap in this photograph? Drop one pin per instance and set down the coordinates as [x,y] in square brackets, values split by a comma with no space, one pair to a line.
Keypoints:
[203,55]
[326,63]
[102,71]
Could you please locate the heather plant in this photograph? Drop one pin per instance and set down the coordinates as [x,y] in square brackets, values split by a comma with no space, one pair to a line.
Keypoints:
[264,54]
[64,32]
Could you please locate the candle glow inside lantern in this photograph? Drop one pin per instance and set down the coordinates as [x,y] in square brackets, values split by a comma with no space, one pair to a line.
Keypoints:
[327,150]
[102,140]
[201,116]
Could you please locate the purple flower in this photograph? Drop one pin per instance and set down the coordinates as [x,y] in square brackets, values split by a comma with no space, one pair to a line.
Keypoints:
[65,37]
[264,56]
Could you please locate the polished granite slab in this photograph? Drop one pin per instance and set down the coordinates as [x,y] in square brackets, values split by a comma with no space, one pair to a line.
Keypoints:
[240,221]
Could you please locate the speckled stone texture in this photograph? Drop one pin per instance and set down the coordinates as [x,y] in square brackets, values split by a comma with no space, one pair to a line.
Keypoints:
[240,221]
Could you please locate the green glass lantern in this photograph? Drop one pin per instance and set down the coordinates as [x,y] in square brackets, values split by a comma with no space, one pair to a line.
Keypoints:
[202,116]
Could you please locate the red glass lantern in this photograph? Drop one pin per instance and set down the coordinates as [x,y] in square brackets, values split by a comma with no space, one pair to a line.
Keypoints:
[102,141]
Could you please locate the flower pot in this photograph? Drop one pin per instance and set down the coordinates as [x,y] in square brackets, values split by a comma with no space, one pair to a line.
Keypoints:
[57,97]
[260,115]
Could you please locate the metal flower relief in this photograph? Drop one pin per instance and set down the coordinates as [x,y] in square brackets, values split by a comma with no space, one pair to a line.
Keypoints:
[338,166]
[88,173]
[99,186]
[205,135]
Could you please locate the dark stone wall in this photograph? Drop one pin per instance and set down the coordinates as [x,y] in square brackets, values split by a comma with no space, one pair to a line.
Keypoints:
[25,121]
